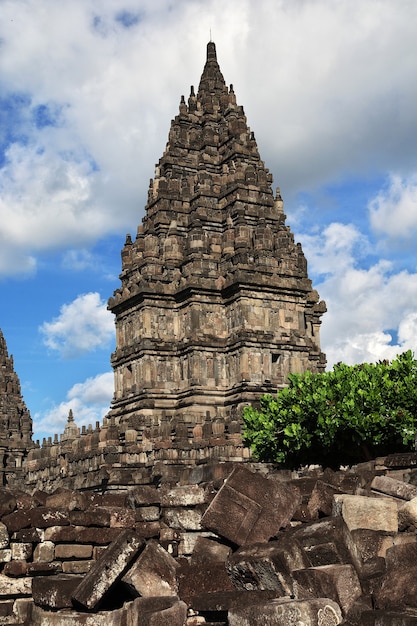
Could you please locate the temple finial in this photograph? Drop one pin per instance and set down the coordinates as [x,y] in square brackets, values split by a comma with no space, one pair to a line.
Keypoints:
[211,51]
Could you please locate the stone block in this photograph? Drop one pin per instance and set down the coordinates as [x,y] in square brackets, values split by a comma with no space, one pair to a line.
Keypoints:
[7,502]
[326,542]
[4,536]
[68,499]
[398,586]
[96,516]
[21,551]
[147,529]
[6,611]
[122,518]
[162,611]
[314,612]
[147,514]
[267,566]
[364,512]
[182,518]
[321,500]
[77,567]
[16,521]
[29,535]
[388,618]
[15,569]
[73,551]
[14,587]
[44,517]
[196,578]
[65,617]
[44,552]
[44,569]
[153,573]
[184,495]
[107,569]
[224,601]
[5,555]
[338,582]
[250,508]
[54,592]
[206,549]
[407,514]
[394,488]
[143,495]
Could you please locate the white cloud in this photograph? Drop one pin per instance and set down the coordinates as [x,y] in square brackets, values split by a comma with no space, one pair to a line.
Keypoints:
[372,311]
[89,402]
[393,212]
[82,326]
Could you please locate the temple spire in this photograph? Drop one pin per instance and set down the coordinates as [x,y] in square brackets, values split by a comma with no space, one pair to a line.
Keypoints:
[212,84]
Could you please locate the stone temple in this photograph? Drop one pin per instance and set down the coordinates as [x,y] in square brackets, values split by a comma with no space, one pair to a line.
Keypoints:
[215,306]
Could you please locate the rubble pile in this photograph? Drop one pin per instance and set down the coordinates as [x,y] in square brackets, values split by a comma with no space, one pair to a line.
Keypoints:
[258,546]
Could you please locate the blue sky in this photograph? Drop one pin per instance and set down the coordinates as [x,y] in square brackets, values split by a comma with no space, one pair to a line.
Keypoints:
[87,92]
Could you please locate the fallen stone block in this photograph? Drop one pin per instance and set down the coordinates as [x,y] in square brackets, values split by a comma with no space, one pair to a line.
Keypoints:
[15,569]
[338,582]
[364,512]
[4,536]
[185,495]
[68,499]
[44,517]
[250,508]
[206,549]
[223,601]
[267,566]
[107,569]
[315,612]
[16,520]
[29,535]
[395,488]
[326,542]
[77,567]
[96,516]
[321,500]
[7,502]
[153,573]
[73,551]
[182,518]
[407,514]
[388,618]
[44,569]
[54,592]
[64,617]
[398,587]
[156,611]
[44,552]
[196,578]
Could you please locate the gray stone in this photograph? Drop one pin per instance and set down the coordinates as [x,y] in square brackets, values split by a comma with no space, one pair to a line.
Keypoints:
[250,508]
[286,612]
[54,592]
[153,573]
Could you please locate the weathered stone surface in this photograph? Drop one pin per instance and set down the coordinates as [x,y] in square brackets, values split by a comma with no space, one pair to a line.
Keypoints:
[194,579]
[54,592]
[256,508]
[317,612]
[21,550]
[97,516]
[144,495]
[77,567]
[73,551]
[321,500]
[29,535]
[43,517]
[16,520]
[338,582]
[392,487]
[43,617]
[267,566]
[4,536]
[14,569]
[223,601]
[109,567]
[68,499]
[399,584]
[158,611]
[7,501]
[80,534]
[15,587]
[326,542]
[183,518]
[44,569]
[147,514]
[153,573]
[44,552]
[388,618]
[5,555]
[206,549]
[407,514]
[364,512]
[184,495]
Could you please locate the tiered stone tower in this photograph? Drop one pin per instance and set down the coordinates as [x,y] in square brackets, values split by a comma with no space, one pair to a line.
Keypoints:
[215,306]
[15,422]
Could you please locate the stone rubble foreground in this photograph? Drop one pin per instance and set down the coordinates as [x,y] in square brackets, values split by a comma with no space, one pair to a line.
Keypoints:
[260,546]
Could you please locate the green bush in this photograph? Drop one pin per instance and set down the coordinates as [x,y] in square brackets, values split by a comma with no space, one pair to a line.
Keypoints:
[344,416]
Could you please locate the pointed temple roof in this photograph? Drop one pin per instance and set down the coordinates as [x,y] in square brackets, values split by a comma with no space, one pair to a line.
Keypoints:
[15,420]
